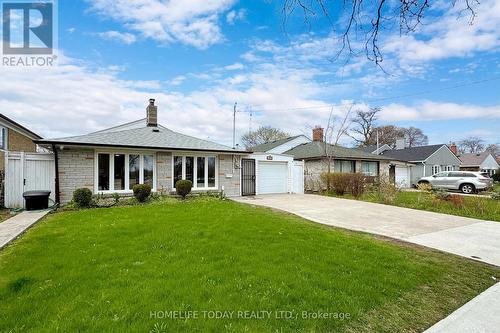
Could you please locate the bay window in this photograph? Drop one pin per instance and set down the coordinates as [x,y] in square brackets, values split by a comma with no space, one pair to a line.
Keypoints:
[103,172]
[200,170]
[148,169]
[119,176]
[119,172]
[177,169]
[134,167]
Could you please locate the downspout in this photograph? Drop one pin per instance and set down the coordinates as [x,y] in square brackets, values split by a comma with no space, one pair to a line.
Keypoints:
[56,164]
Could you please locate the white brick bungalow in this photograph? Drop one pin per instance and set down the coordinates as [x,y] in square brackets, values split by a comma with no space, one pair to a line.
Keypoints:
[142,152]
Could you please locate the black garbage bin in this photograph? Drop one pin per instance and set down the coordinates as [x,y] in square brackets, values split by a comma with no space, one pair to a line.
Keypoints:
[36,200]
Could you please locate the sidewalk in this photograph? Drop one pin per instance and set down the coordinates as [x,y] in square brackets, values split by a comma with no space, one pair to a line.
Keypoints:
[480,315]
[15,226]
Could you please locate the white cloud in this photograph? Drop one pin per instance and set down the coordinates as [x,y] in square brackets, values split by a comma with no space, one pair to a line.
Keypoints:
[450,36]
[122,37]
[191,22]
[234,66]
[178,80]
[51,101]
[428,110]
[233,16]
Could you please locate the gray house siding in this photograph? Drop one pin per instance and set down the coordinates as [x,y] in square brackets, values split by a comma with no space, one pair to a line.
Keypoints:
[442,157]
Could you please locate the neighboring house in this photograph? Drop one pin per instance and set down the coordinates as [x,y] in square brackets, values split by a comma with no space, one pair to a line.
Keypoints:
[319,157]
[484,162]
[374,150]
[15,137]
[427,160]
[142,152]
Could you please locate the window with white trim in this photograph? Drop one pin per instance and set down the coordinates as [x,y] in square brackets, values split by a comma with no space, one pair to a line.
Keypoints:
[198,169]
[436,169]
[119,172]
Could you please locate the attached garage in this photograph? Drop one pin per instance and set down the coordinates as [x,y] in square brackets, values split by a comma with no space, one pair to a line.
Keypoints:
[272,177]
[402,175]
[274,174]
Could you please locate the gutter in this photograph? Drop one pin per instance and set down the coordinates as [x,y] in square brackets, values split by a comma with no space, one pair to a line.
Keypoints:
[62,143]
[56,163]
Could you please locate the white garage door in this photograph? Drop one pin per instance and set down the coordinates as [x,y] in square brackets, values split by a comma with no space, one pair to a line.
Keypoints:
[402,179]
[272,177]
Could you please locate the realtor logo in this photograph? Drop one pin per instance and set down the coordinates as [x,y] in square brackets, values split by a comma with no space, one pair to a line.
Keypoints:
[28,28]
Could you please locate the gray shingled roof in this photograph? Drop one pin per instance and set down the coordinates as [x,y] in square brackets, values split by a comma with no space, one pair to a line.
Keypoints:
[316,149]
[473,159]
[412,154]
[144,137]
[271,145]
[369,149]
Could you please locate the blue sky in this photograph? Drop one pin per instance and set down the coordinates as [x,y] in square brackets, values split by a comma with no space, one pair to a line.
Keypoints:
[199,57]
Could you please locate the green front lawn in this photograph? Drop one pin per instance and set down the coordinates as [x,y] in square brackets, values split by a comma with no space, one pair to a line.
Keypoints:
[124,269]
[468,206]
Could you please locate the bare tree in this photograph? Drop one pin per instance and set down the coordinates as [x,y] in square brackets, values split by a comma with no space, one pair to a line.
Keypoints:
[336,128]
[471,144]
[370,19]
[386,135]
[415,137]
[363,125]
[494,149]
[263,134]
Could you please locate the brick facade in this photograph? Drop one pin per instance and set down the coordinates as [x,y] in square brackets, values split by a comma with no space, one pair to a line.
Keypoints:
[17,142]
[230,165]
[164,172]
[76,170]
[314,168]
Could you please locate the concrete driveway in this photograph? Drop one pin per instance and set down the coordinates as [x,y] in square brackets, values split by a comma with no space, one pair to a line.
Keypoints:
[471,238]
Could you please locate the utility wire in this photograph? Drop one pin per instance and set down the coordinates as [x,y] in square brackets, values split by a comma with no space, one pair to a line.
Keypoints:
[382,98]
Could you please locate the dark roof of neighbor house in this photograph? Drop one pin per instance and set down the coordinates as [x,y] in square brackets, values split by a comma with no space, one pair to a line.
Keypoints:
[473,159]
[369,149]
[142,137]
[16,124]
[413,154]
[316,149]
[271,145]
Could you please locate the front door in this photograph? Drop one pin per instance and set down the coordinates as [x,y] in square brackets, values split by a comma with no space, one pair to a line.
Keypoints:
[247,177]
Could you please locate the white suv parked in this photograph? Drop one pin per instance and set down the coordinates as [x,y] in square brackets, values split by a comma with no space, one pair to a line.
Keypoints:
[465,181]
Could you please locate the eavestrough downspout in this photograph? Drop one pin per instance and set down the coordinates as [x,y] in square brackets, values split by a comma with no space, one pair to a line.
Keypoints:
[56,163]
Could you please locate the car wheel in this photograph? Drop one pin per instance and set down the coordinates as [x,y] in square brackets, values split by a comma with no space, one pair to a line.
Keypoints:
[467,188]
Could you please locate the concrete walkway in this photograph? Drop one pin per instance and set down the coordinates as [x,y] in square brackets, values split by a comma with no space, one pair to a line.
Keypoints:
[480,315]
[471,238]
[15,226]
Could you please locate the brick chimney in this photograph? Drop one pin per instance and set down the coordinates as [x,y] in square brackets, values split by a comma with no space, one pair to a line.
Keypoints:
[454,149]
[152,114]
[318,133]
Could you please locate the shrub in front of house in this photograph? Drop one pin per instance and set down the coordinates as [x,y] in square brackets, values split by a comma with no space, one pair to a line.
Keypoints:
[342,183]
[183,187]
[82,197]
[357,184]
[142,192]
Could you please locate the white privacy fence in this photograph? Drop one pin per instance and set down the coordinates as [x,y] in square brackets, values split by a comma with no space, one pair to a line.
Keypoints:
[27,172]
